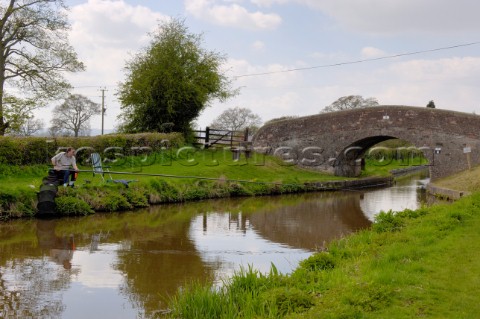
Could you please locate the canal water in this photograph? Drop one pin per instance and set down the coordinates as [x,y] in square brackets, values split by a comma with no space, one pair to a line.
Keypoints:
[126,265]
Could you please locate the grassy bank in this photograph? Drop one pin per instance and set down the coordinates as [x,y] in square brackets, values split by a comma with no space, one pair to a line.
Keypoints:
[411,264]
[468,180]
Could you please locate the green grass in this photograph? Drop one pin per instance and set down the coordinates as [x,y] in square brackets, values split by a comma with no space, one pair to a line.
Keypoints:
[411,264]
[468,180]
[188,163]
[374,167]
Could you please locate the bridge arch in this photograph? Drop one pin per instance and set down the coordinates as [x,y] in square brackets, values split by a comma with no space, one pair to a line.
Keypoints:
[449,140]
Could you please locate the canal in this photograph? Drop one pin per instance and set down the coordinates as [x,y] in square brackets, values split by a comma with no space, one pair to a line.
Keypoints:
[126,265]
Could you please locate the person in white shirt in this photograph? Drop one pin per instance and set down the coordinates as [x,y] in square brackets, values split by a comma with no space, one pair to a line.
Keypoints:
[62,163]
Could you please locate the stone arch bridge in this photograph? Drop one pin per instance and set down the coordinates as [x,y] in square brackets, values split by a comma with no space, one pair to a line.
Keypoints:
[337,141]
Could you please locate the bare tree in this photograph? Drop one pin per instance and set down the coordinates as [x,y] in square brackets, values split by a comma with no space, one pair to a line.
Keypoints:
[29,127]
[34,50]
[74,115]
[236,119]
[350,102]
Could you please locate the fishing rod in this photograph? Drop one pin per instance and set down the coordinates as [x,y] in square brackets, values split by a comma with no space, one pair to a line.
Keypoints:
[179,176]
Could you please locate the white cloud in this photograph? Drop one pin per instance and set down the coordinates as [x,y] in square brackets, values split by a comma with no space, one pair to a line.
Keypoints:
[231,15]
[268,3]
[450,82]
[258,46]
[104,33]
[371,52]
[400,16]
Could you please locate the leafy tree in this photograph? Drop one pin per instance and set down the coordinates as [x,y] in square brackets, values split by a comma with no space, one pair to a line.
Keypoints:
[171,81]
[431,104]
[17,111]
[236,119]
[350,102]
[34,51]
[74,114]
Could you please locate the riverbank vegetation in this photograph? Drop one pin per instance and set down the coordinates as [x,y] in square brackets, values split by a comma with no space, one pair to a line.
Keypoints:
[409,264]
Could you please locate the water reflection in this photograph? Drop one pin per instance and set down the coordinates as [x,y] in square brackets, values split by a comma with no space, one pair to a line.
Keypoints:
[408,193]
[126,265]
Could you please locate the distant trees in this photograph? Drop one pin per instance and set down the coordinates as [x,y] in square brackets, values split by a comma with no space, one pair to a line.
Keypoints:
[29,127]
[171,81]
[431,104]
[350,102]
[236,119]
[73,115]
[34,53]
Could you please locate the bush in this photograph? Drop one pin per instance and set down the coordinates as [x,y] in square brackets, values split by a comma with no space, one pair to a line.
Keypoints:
[165,191]
[318,261]
[136,197]
[112,202]
[387,222]
[237,189]
[68,205]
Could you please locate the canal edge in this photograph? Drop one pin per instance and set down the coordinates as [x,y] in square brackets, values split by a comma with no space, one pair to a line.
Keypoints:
[445,193]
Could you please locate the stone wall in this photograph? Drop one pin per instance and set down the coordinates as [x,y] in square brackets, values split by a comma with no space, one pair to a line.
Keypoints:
[337,141]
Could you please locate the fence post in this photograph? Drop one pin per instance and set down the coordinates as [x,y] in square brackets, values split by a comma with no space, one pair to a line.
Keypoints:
[245,136]
[207,137]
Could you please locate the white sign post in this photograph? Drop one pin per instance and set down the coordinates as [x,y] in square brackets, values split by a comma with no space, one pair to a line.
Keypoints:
[467,150]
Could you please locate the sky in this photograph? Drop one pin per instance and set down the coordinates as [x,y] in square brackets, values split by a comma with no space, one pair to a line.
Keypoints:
[293,57]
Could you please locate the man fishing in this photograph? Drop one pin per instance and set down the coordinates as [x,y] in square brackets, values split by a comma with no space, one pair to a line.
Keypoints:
[62,163]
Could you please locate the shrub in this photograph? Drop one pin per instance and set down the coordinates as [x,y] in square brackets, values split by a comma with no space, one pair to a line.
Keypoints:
[318,261]
[166,191]
[136,197]
[237,189]
[112,202]
[387,222]
[68,205]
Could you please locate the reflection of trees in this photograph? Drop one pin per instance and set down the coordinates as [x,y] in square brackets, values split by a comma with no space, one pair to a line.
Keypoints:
[313,222]
[31,287]
[158,259]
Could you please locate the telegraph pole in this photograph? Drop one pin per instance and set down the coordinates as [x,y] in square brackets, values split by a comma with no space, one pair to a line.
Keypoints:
[103,105]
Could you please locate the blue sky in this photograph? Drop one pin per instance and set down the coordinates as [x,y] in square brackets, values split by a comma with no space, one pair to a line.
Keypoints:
[274,36]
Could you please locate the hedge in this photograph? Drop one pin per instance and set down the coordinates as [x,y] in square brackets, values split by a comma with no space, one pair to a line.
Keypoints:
[23,151]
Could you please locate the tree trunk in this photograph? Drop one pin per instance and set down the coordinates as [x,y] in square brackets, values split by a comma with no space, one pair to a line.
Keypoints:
[3,124]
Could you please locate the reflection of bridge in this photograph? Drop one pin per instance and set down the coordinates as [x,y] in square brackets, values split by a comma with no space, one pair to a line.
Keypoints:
[337,141]
[315,221]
